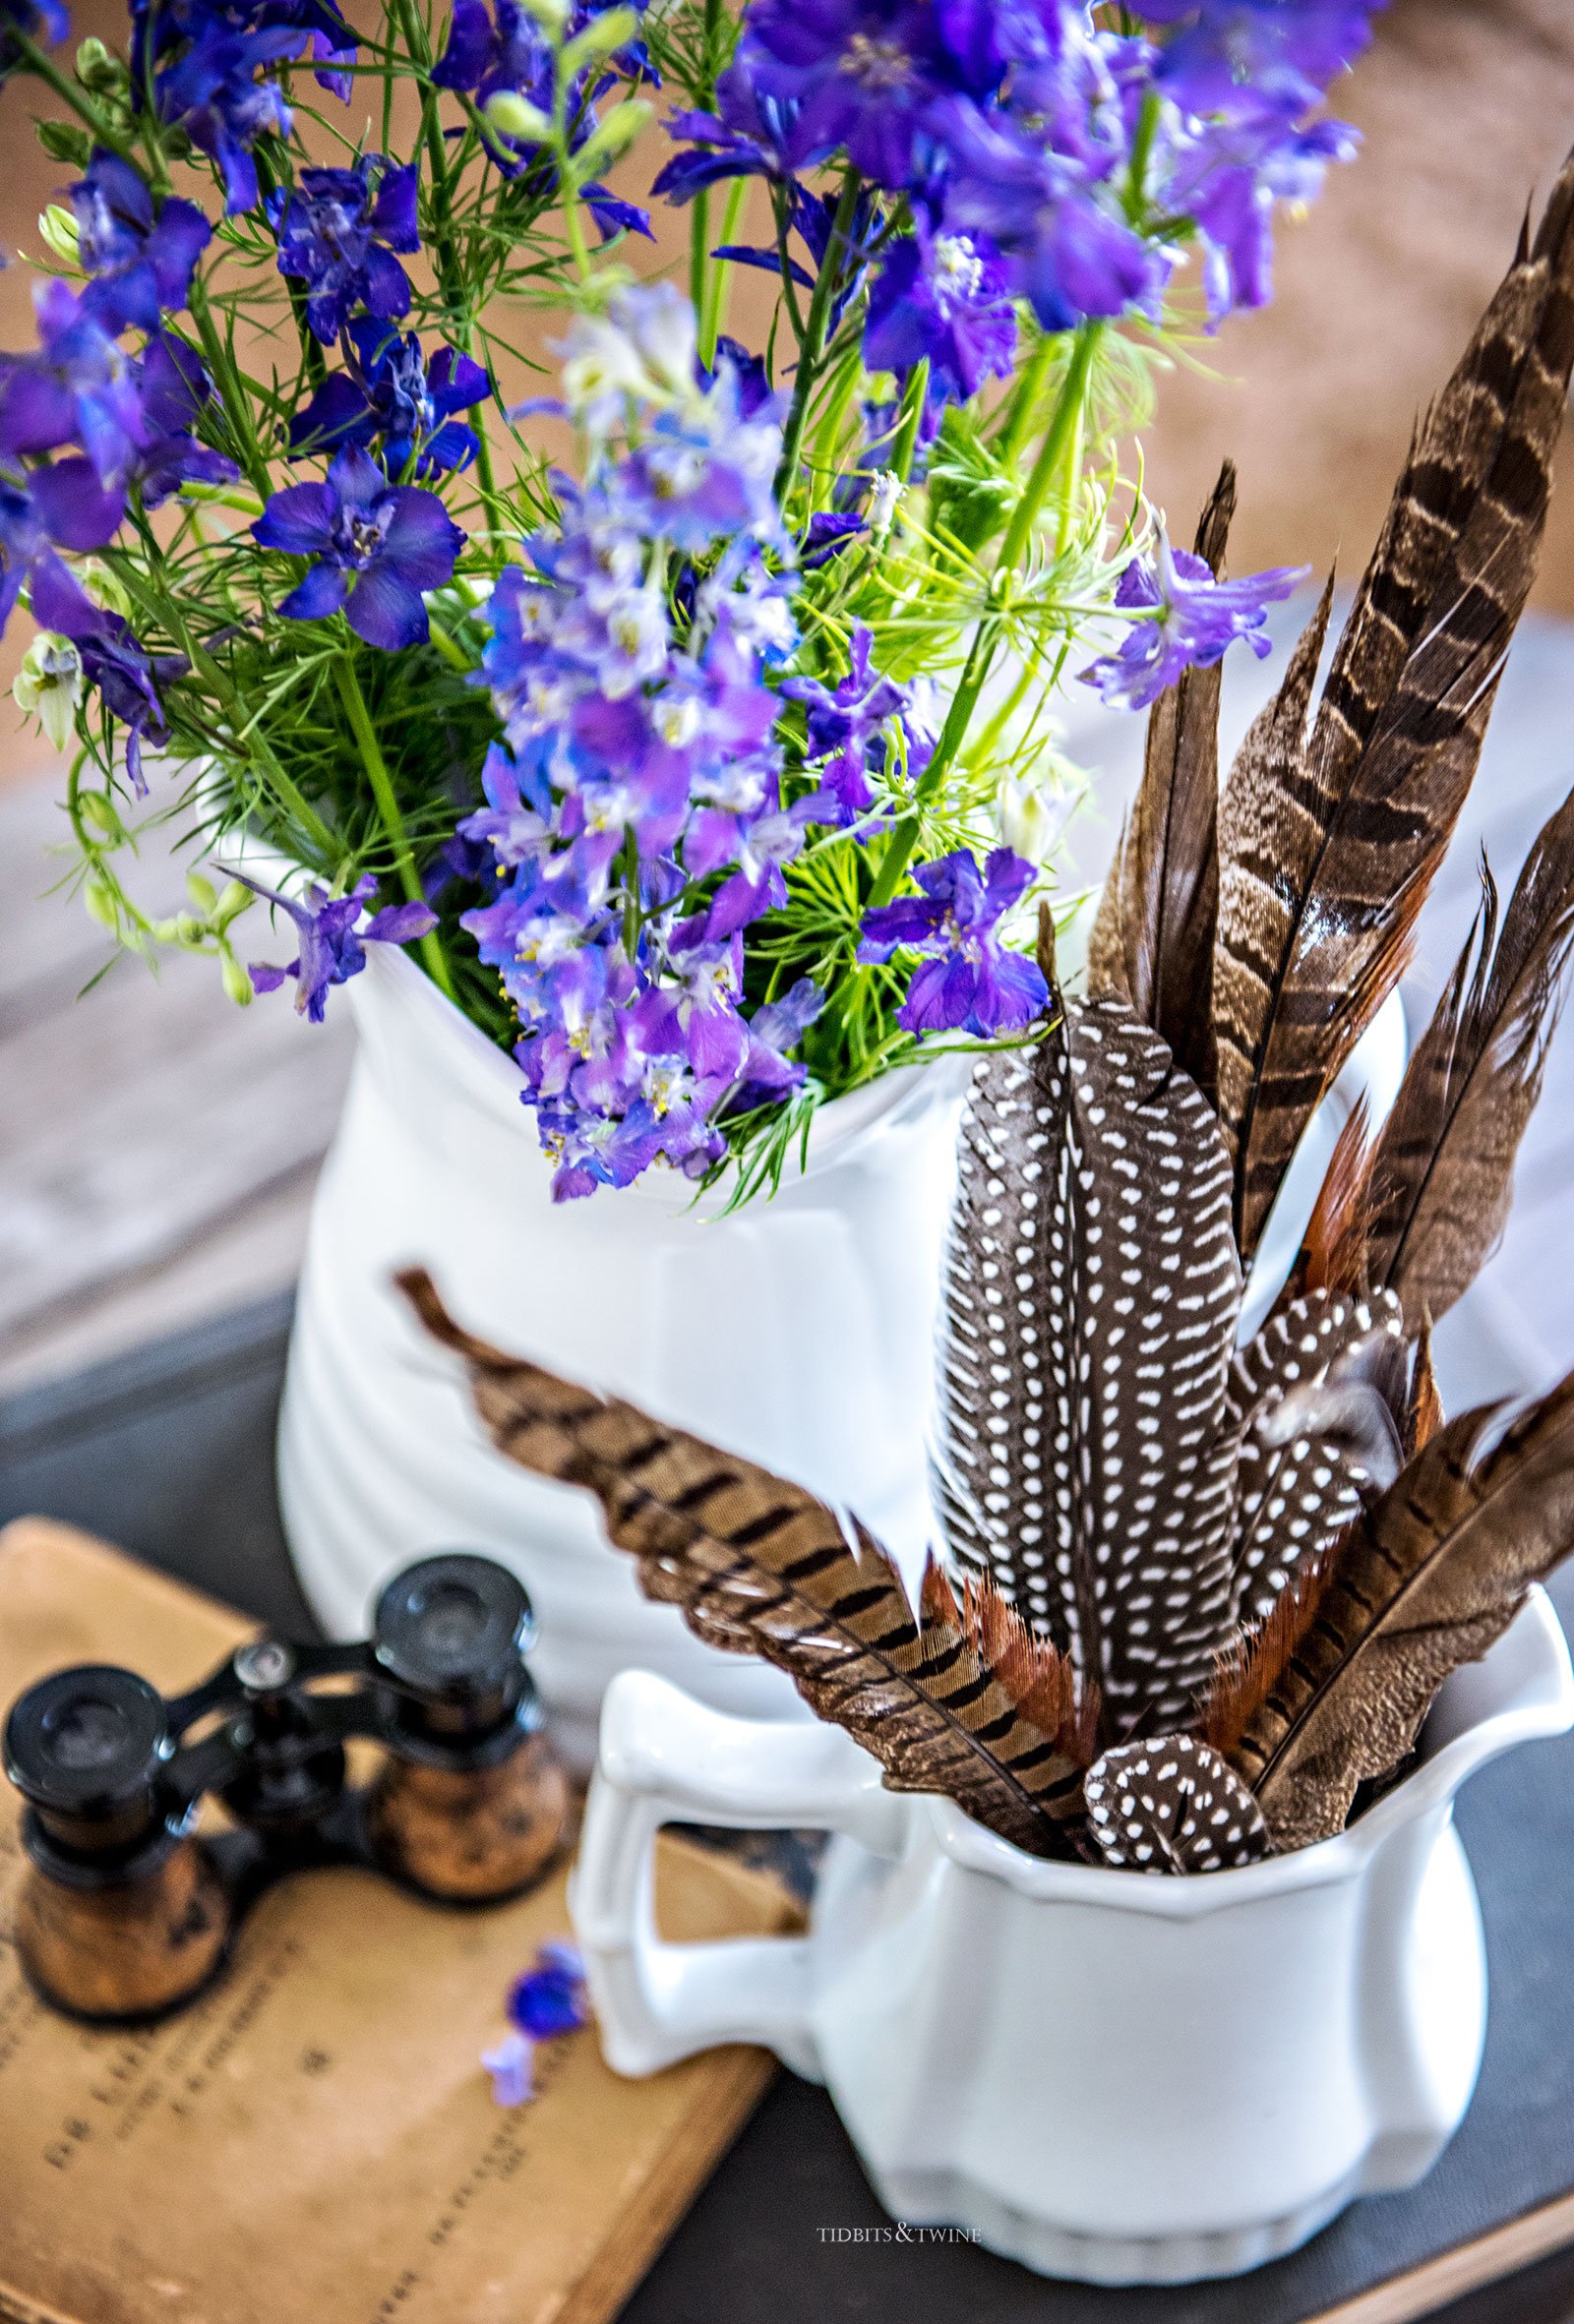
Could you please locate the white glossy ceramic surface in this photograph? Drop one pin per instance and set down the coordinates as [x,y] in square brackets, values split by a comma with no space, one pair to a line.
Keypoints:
[797,1332]
[1107,2076]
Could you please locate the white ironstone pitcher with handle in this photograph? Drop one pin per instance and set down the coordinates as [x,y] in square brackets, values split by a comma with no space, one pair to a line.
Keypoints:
[1111,2076]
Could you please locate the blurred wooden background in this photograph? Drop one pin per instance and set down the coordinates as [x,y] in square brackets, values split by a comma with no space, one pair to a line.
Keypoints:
[157,1150]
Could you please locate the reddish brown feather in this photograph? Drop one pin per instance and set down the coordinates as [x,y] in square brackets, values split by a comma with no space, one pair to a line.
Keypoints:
[1333,1254]
[1251,1669]
[1424,1416]
[1041,1681]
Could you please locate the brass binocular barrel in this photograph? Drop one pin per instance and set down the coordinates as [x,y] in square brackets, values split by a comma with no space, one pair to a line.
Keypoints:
[126,1910]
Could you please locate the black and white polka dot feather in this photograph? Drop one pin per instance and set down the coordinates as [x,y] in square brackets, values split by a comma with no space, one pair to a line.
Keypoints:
[1091,1294]
[1292,1502]
[1173,1806]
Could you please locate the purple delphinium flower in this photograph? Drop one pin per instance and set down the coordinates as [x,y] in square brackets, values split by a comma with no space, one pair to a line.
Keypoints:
[1227,54]
[331,948]
[508,2062]
[139,265]
[174,387]
[848,725]
[859,75]
[78,387]
[636,814]
[1182,616]
[212,93]
[337,232]
[550,1998]
[516,821]
[768,1073]
[692,1013]
[61,506]
[505,50]
[1067,249]
[942,296]
[393,394]
[127,677]
[377,546]
[969,982]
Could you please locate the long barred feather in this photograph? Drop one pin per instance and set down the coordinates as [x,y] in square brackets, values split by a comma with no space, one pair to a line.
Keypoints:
[1327,857]
[1430,1198]
[760,1566]
[1152,941]
[1205,1595]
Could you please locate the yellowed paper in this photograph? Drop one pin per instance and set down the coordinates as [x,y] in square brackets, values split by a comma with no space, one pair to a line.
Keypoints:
[314,2141]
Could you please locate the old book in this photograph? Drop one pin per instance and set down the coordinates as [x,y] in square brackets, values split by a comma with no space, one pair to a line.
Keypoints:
[315,2138]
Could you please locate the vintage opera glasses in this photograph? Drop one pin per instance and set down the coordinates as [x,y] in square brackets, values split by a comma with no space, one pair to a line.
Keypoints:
[125,1912]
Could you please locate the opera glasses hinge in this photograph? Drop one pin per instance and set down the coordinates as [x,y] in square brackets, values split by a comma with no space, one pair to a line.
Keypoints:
[127,1912]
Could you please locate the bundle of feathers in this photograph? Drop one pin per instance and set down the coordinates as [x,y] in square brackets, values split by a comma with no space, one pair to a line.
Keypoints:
[1198,1597]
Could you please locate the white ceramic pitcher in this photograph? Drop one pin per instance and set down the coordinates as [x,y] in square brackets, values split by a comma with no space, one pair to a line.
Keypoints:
[1109,2075]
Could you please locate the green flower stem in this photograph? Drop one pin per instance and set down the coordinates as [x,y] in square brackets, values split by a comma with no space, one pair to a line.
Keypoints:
[907,424]
[719,282]
[814,325]
[387,807]
[1065,422]
[1064,426]
[1025,400]
[699,215]
[451,273]
[699,250]
[235,400]
[784,261]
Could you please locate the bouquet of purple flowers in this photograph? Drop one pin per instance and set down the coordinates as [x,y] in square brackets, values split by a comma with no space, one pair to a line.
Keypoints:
[713,779]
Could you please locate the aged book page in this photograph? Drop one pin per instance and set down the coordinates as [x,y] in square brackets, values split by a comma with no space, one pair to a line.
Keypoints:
[314,2139]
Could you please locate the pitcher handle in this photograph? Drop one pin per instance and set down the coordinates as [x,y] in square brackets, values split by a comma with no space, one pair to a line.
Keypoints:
[663,1758]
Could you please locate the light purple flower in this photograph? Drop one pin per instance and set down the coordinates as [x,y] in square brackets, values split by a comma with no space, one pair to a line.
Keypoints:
[692,1013]
[969,981]
[848,722]
[1182,616]
[768,1073]
[509,2064]
[331,947]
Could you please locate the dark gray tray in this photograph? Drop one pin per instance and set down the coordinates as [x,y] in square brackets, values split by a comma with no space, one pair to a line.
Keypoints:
[168,1452]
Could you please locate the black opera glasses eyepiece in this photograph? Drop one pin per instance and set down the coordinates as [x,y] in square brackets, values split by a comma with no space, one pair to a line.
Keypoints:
[126,1912]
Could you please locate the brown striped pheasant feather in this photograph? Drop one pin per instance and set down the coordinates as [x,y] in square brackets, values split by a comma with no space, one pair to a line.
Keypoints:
[1328,846]
[1152,941]
[1207,1594]
[1421,1208]
[758,1566]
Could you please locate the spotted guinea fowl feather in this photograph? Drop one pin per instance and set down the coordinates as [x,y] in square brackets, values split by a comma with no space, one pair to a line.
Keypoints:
[1433,1194]
[1152,941]
[1322,873]
[1173,1806]
[1294,1498]
[1426,1580]
[759,1565]
[1090,1298]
